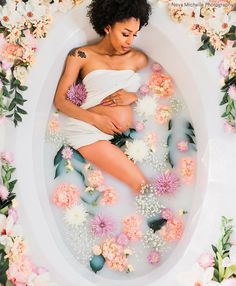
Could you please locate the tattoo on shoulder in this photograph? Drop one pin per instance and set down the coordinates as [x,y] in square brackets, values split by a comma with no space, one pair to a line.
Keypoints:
[77,53]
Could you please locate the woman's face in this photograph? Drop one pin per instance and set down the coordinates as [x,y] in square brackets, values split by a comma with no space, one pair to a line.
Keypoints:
[122,34]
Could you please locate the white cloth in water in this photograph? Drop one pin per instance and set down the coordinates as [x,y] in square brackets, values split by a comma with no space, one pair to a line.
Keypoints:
[99,84]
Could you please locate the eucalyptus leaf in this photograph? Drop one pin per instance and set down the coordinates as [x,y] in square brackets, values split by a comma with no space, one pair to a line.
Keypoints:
[170,159]
[58,157]
[157,224]
[169,124]
[97,262]
[59,169]
[168,139]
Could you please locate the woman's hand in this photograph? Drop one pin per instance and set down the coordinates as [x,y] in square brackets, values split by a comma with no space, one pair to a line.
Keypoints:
[120,97]
[106,124]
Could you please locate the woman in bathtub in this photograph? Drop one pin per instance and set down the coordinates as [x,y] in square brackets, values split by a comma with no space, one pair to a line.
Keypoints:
[108,69]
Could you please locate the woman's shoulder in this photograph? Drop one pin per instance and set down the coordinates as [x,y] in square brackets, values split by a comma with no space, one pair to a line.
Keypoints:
[140,58]
[80,52]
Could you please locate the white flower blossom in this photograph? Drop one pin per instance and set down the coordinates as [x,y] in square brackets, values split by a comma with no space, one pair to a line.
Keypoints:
[146,106]
[31,10]
[76,215]
[137,150]
[10,16]
[20,73]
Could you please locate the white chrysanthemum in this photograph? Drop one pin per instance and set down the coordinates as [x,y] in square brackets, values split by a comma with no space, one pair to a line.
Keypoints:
[31,10]
[146,106]
[9,16]
[137,150]
[76,215]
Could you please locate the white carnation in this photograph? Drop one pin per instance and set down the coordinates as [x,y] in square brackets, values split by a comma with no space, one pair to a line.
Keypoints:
[20,73]
[137,150]
[146,106]
[76,215]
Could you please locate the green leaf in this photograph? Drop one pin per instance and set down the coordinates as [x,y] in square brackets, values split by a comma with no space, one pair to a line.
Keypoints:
[4,265]
[12,185]
[12,105]
[5,92]
[78,156]
[59,169]
[203,47]
[17,117]
[168,139]
[189,125]
[221,268]
[8,201]
[58,156]
[224,99]
[97,262]
[214,249]
[190,139]
[204,38]
[170,125]
[231,270]
[211,50]
[157,224]
[22,87]
[16,83]
[170,159]
[21,110]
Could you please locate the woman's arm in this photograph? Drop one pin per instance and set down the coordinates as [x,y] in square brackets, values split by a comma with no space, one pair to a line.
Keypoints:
[74,62]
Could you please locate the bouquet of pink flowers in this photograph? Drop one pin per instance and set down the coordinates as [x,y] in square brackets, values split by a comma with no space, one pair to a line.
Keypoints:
[77,94]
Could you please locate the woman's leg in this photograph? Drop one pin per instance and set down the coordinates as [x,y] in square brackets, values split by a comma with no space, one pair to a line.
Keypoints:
[112,160]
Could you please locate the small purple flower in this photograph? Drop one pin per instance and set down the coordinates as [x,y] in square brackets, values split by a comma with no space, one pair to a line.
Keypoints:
[77,94]
[232,91]
[102,225]
[153,257]
[166,183]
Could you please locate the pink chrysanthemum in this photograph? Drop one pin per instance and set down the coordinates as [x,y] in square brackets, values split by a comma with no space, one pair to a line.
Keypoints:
[153,257]
[77,94]
[65,195]
[95,179]
[166,183]
[102,225]
[67,153]
[172,230]
[131,227]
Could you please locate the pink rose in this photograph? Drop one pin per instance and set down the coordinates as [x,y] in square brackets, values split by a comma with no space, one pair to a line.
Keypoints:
[139,126]
[7,157]
[206,260]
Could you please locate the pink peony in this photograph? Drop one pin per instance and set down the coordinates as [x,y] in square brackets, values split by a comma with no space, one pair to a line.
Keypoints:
[156,67]
[163,114]
[144,89]
[119,263]
[187,169]
[153,257]
[182,146]
[161,84]
[172,230]
[206,260]
[12,52]
[166,183]
[65,195]
[95,179]
[232,91]
[122,239]
[109,196]
[139,126]
[67,153]
[131,227]
[7,157]
[167,213]
[4,193]
[19,272]
[102,225]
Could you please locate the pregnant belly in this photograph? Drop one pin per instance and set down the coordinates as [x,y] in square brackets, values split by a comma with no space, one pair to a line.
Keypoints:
[122,114]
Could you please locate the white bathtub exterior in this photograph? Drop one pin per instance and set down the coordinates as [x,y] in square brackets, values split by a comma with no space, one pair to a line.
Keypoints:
[197,78]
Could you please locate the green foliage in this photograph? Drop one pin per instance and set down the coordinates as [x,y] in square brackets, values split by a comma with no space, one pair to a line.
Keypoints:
[157,224]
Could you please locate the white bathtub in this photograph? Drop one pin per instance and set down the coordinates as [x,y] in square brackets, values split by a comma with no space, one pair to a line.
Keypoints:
[176,51]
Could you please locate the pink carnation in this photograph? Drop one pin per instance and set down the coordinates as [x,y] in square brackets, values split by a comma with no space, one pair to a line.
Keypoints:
[161,84]
[95,179]
[206,260]
[144,89]
[182,146]
[167,213]
[131,227]
[7,157]
[4,193]
[109,196]
[139,126]
[122,239]
[67,153]
[156,67]
[65,195]
[119,263]
[153,257]
[172,230]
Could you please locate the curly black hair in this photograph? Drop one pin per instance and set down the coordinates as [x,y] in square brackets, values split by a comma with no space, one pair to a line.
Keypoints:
[107,12]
